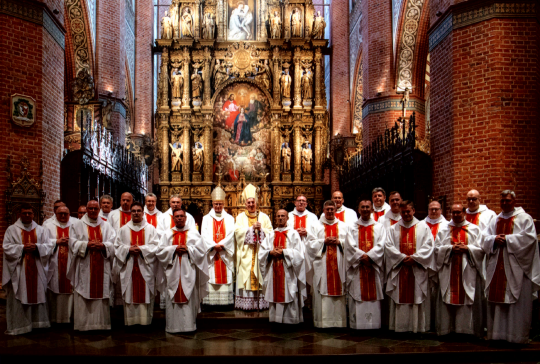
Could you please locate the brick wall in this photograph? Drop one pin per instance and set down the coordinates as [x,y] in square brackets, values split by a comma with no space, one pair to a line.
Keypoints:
[484,113]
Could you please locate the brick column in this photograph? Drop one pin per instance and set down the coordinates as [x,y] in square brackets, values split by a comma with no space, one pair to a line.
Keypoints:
[485,118]
[143,68]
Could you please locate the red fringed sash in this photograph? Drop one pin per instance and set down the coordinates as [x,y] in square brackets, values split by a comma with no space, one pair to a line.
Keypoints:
[407,245]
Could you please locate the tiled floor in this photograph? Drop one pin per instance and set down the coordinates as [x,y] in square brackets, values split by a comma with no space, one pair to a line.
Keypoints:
[238,334]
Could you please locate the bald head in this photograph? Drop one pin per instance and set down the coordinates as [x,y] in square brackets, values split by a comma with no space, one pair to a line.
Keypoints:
[126,200]
[434,210]
[458,213]
[92,209]
[337,197]
[473,200]
[62,214]
[281,218]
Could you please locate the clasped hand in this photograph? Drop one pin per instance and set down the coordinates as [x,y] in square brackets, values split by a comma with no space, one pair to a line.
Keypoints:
[218,247]
[366,260]
[301,231]
[96,245]
[257,226]
[460,248]
[331,240]
[408,261]
[29,247]
[181,249]
[134,250]
[500,240]
[276,252]
[62,241]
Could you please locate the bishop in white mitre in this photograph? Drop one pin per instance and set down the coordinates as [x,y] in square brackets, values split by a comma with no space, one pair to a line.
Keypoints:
[253,227]
[512,272]
[90,271]
[365,270]
[342,213]
[27,248]
[459,255]
[326,251]
[282,265]
[409,256]
[151,213]
[135,249]
[380,207]
[62,233]
[393,215]
[217,231]
[303,221]
[182,259]
[166,221]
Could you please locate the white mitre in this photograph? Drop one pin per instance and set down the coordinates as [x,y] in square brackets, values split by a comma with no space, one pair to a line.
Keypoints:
[250,192]
[218,194]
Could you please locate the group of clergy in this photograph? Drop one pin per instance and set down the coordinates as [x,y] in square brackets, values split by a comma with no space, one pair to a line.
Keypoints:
[479,270]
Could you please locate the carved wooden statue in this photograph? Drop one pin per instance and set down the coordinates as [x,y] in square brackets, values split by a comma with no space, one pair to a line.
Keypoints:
[275,26]
[318,26]
[187,24]
[177,84]
[177,157]
[307,84]
[307,158]
[285,82]
[286,157]
[166,27]
[296,23]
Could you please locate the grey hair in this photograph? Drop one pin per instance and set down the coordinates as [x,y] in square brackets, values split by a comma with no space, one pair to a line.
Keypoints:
[508,192]
[378,189]
[255,198]
[106,197]
[329,203]
[174,196]
[150,195]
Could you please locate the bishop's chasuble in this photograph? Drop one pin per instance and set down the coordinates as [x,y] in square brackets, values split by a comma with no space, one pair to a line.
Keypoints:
[60,291]
[91,276]
[407,286]
[284,284]
[24,277]
[136,274]
[459,304]
[185,280]
[329,269]
[249,279]
[512,276]
[219,229]
[365,283]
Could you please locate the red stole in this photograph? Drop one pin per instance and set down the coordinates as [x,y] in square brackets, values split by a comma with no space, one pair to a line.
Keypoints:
[473,218]
[407,245]
[30,266]
[172,222]
[179,238]
[64,285]
[152,219]
[278,271]
[125,217]
[497,287]
[393,222]
[457,291]
[434,228]
[367,274]
[333,281]
[137,280]
[300,221]
[377,215]
[97,264]
[220,269]
[341,215]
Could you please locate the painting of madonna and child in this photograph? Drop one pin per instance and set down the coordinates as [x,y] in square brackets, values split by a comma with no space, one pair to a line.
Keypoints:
[242,135]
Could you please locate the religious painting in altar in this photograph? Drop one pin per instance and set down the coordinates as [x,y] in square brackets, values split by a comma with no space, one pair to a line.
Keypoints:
[242,16]
[242,135]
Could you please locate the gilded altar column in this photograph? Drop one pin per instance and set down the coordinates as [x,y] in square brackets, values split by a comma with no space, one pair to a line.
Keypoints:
[220,22]
[297,153]
[318,79]
[196,21]
[186,170]
[208,148]
[206,77]
[277,75]
[276,144]
[297,80]
[165,152]
[187,77]
[318,148]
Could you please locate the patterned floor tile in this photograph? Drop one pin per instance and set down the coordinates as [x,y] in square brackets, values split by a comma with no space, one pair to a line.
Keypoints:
[244,335]
[335,343]
[381,342]
[290,344]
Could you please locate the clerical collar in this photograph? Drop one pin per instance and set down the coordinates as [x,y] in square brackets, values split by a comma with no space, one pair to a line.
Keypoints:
[377,209]
[464,222]
[91,220]
[27,226]
[254,214]
[136,223]
[218,215]
[331,221]
[395,216]
[61,224]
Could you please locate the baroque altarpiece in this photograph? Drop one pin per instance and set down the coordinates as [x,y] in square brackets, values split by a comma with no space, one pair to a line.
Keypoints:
[241,99]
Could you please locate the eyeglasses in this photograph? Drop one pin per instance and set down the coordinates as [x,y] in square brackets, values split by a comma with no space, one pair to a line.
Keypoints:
[472,198]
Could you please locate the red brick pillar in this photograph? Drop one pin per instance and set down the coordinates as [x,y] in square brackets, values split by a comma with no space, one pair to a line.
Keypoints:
[111,60]
[484,101]
[339,76]
[143,67]
[32,45]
